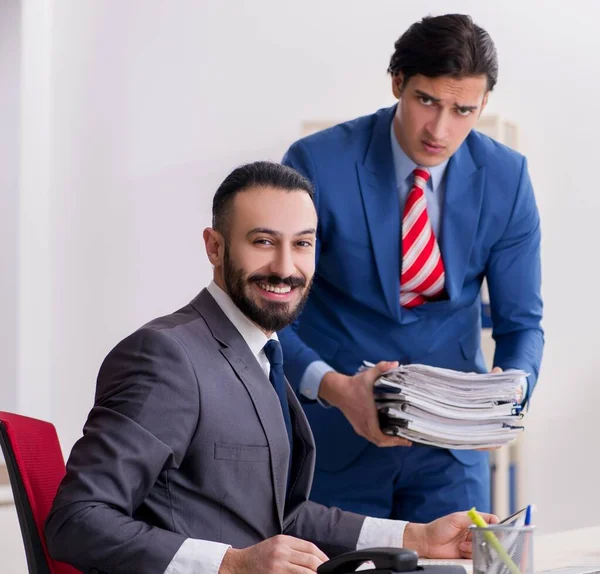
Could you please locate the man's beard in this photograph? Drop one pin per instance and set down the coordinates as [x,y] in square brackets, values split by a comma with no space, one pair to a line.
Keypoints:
[271,315]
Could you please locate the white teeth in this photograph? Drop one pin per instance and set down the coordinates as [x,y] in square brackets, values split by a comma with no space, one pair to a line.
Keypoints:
[272,289]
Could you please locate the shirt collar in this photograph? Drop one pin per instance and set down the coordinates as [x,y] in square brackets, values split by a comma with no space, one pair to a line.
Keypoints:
[404,166]
[254,337]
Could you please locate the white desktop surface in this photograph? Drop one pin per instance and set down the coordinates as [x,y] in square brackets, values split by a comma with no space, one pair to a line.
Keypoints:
[570,548]
[558,550]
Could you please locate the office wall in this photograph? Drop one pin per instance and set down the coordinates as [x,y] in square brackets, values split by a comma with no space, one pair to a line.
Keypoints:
[10,37]
[152,103]
[35,319]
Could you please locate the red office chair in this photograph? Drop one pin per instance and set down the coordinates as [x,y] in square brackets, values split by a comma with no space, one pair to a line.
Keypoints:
[35,467]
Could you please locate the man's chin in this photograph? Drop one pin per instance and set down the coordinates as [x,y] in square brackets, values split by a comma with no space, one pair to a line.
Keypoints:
[265,302]
[270,321]
[266,305]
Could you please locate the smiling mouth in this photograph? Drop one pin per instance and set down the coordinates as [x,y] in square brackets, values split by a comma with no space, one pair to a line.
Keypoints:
[282,290]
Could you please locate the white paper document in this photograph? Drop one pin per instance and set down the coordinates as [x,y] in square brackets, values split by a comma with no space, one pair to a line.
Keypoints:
[450,409]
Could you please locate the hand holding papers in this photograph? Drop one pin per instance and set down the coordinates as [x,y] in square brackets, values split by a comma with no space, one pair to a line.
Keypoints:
[450,409]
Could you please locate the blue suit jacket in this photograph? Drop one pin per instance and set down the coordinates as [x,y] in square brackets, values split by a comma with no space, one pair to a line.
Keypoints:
[489,228]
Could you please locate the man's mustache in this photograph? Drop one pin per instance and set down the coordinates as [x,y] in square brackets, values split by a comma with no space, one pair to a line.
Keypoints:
[275,280]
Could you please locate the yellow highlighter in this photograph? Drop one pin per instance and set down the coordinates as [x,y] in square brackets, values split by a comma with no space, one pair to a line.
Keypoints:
[494,542]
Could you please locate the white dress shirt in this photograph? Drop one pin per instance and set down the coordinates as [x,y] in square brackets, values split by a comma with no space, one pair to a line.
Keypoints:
[205,557]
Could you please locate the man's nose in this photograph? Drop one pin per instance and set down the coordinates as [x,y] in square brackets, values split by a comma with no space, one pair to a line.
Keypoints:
[283,263]
[438,126]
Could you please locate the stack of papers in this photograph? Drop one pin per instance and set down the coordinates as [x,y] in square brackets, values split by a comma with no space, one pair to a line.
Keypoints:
[450,409]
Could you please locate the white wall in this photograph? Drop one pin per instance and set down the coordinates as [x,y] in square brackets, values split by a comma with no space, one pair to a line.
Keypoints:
[153,103]
[10,52]
[35,319]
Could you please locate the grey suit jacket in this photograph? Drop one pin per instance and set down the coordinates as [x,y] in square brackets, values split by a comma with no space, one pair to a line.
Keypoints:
[186,439]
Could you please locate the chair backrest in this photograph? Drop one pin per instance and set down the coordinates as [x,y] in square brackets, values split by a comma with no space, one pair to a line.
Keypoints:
[35,467]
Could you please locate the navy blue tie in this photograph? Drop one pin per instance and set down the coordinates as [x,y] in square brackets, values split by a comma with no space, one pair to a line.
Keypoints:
[275,355]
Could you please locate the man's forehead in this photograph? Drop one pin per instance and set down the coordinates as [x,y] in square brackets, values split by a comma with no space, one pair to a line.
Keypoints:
[251,196]
[449,90]
[283,211]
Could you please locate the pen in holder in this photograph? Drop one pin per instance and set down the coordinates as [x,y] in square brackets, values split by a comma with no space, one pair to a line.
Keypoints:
[500,549]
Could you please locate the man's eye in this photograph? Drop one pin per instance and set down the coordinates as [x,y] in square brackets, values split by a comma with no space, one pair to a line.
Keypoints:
[425,100]
[263,242]
[304,243]
[463,112]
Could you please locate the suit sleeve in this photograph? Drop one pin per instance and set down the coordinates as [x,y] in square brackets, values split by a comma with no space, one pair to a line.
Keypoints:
[514,280]
[333,530]
[298,355]
[144,416]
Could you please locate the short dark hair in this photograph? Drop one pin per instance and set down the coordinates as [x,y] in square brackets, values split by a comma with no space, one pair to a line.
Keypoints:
[449,45]
[256,174]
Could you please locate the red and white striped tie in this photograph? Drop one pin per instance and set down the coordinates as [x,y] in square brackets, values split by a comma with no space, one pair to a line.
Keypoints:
[422,277]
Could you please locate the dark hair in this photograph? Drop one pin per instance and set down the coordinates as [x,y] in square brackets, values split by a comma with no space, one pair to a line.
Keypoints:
[257,174]
[449,45]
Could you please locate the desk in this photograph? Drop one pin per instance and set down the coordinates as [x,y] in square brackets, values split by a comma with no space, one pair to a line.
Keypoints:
[571,548]
[579,547]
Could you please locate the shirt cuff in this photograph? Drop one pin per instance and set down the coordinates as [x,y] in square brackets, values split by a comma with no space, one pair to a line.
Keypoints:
[311,381]
[198,556]
[378,532]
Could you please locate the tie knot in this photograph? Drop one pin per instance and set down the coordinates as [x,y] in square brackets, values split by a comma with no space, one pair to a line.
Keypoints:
[274,353]
[421,177]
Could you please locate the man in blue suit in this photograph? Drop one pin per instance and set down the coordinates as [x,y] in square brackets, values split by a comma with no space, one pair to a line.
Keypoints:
[481,217]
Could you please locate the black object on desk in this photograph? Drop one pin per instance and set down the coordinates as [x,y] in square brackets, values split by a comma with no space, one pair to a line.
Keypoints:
[386,561]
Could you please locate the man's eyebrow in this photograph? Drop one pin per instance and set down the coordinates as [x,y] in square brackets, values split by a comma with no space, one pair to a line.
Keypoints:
[437,101]
[264,230]
[267,231]
[310,231]
[469,108]
[428,96]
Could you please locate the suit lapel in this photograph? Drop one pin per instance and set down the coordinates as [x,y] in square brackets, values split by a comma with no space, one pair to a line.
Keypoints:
[268,410]
[242,361]
[379,191]
[460,217]
[303,464]
[303,460]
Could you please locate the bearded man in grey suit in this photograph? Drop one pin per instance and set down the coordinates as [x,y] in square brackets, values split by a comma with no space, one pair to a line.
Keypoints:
[196,456]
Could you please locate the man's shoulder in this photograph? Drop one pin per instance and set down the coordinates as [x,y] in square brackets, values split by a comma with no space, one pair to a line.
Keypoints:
[491,153]
[350,135]
[184,327]
[175,322]
[506,170]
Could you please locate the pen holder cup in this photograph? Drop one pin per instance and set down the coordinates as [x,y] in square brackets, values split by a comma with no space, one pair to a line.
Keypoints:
[501,549]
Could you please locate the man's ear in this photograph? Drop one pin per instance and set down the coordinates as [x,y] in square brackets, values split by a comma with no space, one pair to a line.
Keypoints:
[215,244]
[397,84]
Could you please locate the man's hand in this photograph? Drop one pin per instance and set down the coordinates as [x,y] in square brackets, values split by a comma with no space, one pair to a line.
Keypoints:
[354,397]
[278,555]
[447,537]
